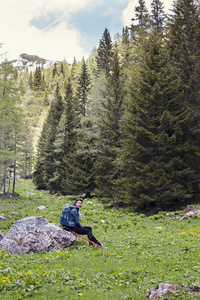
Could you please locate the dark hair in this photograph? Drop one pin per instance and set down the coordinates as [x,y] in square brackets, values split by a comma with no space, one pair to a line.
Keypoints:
[76,200]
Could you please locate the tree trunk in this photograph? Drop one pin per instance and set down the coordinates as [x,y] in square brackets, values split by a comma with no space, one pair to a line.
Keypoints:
[13,190]
[4,186]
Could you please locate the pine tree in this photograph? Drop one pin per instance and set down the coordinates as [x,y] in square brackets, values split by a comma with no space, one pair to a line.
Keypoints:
[64,145]
[45,99]
[108,142]
[104,53]
[142,18]
[7,109]
[126,44]
[55,71]
[73,67]
[11,126]
[25,149]
[31,80]
[184,45]
[158,15]
[37,79]
[43,83]
[44,167]
[153,169]
[39,164]
[83,87]
[62,69]
[82,174]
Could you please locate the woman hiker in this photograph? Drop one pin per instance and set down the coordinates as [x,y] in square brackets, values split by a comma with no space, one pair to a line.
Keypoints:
[74,224]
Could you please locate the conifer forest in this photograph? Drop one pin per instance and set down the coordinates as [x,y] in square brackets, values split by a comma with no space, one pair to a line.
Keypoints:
[123,124]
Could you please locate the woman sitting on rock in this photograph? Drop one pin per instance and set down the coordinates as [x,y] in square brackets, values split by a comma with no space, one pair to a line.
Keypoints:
[75,226]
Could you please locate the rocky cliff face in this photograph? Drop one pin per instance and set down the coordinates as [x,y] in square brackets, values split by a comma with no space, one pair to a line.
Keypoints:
[29,63]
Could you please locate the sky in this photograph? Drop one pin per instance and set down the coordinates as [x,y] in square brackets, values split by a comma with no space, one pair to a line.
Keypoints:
[62,29]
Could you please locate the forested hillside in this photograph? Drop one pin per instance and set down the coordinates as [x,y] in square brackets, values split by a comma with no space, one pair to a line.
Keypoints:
[123,123]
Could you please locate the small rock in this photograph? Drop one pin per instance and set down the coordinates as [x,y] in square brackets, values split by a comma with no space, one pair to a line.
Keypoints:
[169,214]
[42,207]
[161,290]
[182,218]
[81,216]
[30,193]
[89,202]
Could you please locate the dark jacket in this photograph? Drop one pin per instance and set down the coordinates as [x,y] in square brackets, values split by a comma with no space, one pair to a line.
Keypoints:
[73,218]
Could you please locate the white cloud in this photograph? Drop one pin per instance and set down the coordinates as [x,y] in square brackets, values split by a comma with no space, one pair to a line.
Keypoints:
[110,12]
[128,13]
[113,14]
[55,42]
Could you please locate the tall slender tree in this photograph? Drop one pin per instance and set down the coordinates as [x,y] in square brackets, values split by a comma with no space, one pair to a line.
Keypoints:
[184,45]
[82,173]
[44,167]
[11,127]
[109,140]
[141,21]
[83,87]
[37,79]
[64,146]
[126,45]
[158,16]
[104,52]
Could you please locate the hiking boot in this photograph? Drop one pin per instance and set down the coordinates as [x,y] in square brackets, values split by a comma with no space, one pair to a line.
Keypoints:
[102,246]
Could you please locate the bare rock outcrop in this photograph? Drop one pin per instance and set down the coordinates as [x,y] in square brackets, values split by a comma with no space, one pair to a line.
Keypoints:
[35,234]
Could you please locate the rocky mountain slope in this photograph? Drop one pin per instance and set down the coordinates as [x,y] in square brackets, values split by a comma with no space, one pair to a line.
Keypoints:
[30,62]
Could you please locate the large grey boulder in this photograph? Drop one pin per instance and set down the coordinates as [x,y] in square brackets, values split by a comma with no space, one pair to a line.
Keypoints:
[35,234]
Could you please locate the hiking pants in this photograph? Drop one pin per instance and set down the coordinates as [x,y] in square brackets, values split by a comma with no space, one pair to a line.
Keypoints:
[85,230]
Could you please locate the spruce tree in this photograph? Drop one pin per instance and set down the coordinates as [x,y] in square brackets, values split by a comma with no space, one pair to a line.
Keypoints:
[64,145]
[37,79]
[125,36]
[55,71]
[184,45]
[104,53]
[7,111]
[158,16]
[82,174]
[31,80]
[83,87]
[12,136]
[142,21]
[153,168]
[43,83]
[44,167]
[108,142]
[39,163]
[126,45]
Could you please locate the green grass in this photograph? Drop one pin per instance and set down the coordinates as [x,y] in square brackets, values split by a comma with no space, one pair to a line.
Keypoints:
[142,252]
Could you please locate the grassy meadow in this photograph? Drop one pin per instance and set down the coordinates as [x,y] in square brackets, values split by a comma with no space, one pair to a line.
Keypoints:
[142,252]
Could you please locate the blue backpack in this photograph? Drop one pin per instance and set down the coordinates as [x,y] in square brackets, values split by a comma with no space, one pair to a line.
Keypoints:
[64,216]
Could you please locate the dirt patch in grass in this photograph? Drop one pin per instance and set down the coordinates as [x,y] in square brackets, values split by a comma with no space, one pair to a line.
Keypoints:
[9,195]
